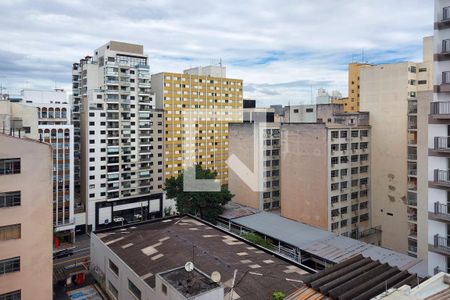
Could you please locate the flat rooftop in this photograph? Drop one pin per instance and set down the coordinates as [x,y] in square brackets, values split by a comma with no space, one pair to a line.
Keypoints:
[156,247]
[189,284]
[319,242]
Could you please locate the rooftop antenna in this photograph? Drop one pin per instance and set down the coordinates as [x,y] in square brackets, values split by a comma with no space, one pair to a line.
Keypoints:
[220,62]
[311,94]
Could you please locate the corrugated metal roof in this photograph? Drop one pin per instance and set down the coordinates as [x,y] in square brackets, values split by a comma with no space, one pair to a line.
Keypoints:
[320,242]
[291,232]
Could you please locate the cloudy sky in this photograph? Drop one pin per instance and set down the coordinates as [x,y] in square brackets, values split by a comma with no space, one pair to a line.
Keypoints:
[281,49]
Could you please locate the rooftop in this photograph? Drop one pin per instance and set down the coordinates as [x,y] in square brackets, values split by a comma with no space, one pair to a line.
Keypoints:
[189,284]
[156,247]
[358,278]
[321,243]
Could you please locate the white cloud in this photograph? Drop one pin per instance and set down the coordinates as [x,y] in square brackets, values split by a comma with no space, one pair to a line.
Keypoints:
[262,42]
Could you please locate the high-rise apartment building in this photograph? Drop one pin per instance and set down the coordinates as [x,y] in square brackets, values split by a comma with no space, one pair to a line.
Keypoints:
[25,218]
[206,99]
[352,101]
[120,136]
[390,93]
[54,128]
[439,146]
[256,143]
[325,172]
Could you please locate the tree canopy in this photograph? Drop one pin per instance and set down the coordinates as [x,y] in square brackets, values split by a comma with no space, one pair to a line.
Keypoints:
[206,205]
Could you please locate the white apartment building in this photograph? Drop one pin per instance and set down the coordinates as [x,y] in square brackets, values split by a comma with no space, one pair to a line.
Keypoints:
[55,128]
[438,143]
[120,136]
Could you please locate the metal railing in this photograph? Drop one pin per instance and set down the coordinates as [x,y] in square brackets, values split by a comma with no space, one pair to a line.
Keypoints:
[441,143]
[441,209]
[440,108]
[441,243]
[441,176]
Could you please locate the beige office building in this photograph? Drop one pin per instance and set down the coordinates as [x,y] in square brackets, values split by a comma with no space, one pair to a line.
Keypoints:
[390,93]
[257,146]
[26,229]
[325,173]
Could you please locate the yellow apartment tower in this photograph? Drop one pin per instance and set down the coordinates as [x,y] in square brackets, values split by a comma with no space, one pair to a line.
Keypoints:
[195,94]
[351,103]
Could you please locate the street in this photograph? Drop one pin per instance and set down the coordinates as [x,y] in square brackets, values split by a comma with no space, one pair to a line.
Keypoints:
[80,252]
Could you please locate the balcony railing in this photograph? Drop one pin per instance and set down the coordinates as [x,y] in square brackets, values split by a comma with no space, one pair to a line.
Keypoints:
[440,245]
[441,143]
[441,177]
[441,212]
[440,108]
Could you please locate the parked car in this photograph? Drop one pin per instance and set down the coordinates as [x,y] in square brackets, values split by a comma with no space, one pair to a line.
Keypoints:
[62,253]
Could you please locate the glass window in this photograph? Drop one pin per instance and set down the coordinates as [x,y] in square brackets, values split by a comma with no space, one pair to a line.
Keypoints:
[9,265]
[9,199]
[9,166]
[9,232]
[15,295]
[134,290]
[113,267]
[113,290]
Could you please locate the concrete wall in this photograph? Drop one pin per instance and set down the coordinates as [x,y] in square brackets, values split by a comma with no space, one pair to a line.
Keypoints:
[27,114]
[241,144]
[35,216]
[304,168]
[423,110]
[384,91]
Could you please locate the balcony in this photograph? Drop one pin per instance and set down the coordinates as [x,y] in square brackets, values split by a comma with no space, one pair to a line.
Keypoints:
[441,146]
[441,179]
[441,109]
[441,245]
[441,213]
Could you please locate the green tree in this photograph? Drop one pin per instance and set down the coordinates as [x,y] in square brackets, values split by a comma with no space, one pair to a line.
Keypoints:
[278,295]
[258,240]
[206,205]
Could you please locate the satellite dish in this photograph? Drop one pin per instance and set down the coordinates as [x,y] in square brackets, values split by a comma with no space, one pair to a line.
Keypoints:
[215,276]
[189,266]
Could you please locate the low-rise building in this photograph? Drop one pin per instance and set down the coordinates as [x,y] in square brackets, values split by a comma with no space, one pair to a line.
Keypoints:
[151,260]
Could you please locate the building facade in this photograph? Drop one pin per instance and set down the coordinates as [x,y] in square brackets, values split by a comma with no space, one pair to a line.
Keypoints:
[257,146]
[325,173]
[55,128]
[438,137]
[352,101]
[390,94]
[25,218]
[206,99]
[120,138]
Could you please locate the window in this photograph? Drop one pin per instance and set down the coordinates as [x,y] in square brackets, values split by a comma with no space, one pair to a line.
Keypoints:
[344,197]
[334,160]
[9,265]
[354,182]
[364,157]
[9,232]
[335,226]
[334,134]
[363,193]
[446,77]
[113,267]
[10,199]
[354,220]
[164,288]
[363,205]
[422,82]
[354,158]
[266,195]
[343,210]
[343,223]
[309,110]
[364,217]
[354,133]
[134,290]
[412,69]
[354,207]
[422,69]
[9,166]
[334,186]
[343,134]
[334,199]
[354,195]
[113,290]
[15,295]
[344,159]
[446,13]
[363,169]
[343,172]
[335,212]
